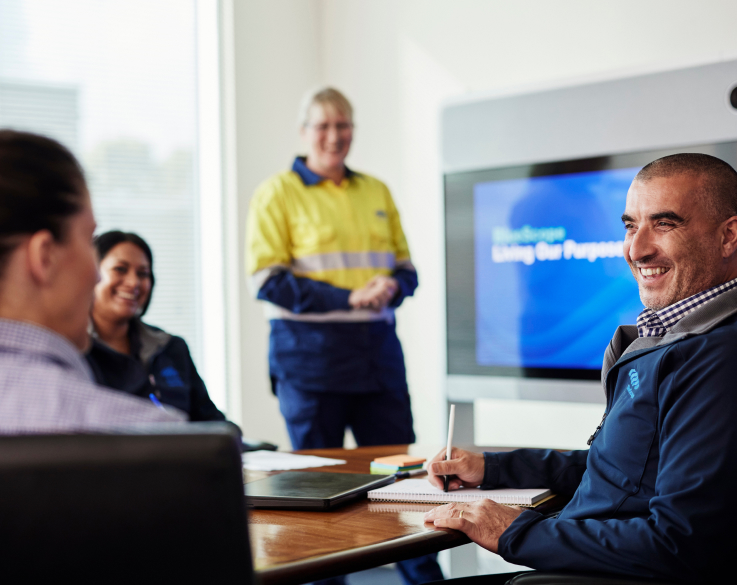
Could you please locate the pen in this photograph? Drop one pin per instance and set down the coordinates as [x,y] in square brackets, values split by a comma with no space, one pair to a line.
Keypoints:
[156,401]
[411,473]
[449,448]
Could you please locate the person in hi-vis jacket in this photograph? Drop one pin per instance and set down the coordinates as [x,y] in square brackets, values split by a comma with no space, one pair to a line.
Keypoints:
[326,251]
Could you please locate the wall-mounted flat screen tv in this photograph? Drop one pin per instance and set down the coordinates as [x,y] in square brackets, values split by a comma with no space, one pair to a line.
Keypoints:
[536,280]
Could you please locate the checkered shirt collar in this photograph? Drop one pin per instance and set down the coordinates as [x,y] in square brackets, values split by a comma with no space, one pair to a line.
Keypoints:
[657,323]
[29,338]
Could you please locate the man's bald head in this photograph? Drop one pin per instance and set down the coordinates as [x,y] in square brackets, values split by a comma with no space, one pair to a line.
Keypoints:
[717,180]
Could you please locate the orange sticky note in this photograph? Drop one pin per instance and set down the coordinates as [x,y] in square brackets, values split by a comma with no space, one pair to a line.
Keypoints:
[400,460]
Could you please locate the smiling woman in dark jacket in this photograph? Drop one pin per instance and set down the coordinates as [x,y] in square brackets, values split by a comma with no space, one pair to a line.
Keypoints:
[127,354]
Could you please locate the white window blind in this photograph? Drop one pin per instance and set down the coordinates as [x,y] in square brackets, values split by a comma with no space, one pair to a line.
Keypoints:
[115,80]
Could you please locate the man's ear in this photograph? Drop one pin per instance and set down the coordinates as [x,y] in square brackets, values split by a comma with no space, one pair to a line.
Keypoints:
[41,256]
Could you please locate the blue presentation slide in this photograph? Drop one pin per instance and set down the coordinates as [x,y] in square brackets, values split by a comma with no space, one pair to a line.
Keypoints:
[552,284]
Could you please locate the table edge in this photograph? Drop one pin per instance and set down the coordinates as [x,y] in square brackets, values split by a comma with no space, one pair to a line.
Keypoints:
[365,557]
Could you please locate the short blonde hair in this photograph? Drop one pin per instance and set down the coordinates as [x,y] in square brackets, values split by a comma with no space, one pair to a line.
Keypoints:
[323,96]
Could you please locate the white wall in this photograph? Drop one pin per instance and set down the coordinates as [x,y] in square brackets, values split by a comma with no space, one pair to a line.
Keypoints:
[277,56]
[398,61]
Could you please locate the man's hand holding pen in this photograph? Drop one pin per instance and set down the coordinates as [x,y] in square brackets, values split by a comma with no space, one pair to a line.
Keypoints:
[484,521]
[467,469]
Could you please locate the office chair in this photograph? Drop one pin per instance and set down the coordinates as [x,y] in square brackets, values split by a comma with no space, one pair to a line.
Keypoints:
[124,508]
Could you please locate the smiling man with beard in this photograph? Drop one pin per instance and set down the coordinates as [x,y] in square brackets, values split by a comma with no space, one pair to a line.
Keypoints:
[652,496]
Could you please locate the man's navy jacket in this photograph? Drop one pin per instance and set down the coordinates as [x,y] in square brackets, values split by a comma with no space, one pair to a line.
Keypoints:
[655,494]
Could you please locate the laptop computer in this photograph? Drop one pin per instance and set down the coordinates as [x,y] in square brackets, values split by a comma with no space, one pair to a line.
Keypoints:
[310,490]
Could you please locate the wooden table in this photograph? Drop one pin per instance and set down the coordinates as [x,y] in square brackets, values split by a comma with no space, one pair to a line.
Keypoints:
[291,547]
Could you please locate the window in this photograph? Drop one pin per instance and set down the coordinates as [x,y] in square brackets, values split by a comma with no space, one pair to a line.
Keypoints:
[116,81]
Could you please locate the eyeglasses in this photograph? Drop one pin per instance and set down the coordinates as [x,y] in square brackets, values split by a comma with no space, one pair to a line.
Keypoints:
[340,127]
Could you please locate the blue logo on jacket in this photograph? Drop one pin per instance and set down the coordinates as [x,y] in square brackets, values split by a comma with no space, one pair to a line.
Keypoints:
[634,382]
[381,213]
[171,378]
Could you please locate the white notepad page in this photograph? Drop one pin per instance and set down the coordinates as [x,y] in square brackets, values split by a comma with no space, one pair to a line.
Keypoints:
[421,490]
[278,461]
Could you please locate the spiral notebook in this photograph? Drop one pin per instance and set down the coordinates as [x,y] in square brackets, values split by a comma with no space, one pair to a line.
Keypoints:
[421,490]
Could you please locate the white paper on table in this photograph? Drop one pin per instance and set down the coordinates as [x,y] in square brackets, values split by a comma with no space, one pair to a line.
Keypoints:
[277,461]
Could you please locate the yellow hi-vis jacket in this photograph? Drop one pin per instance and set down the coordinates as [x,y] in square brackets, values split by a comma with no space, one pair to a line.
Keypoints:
[309,243]
[340,235]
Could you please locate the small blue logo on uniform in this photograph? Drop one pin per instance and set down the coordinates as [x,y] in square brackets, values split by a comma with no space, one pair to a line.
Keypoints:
[381,213]
[634,382]
[171,378]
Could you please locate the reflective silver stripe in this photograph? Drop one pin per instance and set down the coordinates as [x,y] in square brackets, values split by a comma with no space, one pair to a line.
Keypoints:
[258,279]
[359,315]
[342,260]
[405,265]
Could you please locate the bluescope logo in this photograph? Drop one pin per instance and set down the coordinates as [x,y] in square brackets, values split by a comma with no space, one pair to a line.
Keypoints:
[634,382]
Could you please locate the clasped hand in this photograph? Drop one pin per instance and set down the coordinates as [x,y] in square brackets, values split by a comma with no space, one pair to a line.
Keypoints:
[375,295]
[484,521]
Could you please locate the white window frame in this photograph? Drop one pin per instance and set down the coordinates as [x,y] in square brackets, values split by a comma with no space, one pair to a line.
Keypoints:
[218,206]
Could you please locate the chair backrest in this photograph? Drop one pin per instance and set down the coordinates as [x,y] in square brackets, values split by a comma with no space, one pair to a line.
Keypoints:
[113,508]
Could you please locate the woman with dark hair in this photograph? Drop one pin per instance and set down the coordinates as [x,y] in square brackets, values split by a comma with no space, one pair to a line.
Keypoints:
[126,353]
[47,275]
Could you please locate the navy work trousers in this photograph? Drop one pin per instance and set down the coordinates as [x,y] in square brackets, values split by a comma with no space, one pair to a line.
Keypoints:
[318,420]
